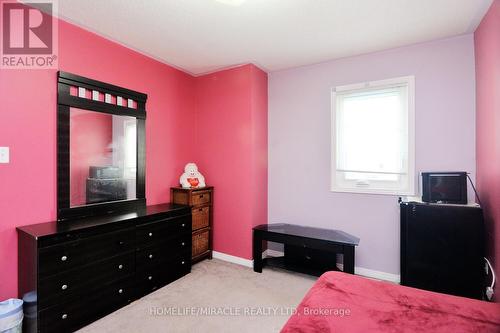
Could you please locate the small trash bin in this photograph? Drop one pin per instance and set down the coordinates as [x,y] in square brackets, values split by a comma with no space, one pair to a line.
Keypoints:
[30,314]
[11,316]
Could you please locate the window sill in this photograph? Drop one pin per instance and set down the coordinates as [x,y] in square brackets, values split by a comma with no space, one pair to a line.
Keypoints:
[373,191]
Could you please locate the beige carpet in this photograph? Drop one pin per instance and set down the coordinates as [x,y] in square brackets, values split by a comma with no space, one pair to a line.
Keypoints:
[215,297]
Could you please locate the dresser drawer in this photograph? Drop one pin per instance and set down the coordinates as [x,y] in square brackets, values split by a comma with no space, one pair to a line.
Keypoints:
[59,287]
[162,230]
[150,257]
[178,268]
[62,317]
[68,255]
[154,255]
[61,257]
[201,217]
[149,280]
[77,312]
[110,244]
[200,198]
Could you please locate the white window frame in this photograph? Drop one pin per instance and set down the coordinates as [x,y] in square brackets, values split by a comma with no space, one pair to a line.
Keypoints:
[128,172]
[410,82]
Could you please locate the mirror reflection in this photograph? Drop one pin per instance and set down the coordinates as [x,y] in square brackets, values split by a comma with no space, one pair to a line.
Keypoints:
[103,157]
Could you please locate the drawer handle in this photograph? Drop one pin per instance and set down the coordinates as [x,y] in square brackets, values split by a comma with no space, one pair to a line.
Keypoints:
[183,225]
[64,258]
[183,244]
[308,257]
[120,266]
[150,234]
[150,277]
[120,291]
[64,316]
[200,210]
[183,262]
[201,196]
[150,256]
[64,287]
[121,242]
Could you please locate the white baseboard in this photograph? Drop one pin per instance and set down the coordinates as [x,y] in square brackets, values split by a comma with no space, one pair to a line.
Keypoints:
[232,259]
[357,270]
[243,261]
[371,273]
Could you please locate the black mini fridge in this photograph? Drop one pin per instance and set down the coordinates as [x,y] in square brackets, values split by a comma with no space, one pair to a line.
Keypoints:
[442,248]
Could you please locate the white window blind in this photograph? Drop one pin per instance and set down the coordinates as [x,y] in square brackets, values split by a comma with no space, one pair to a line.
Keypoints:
[373,137]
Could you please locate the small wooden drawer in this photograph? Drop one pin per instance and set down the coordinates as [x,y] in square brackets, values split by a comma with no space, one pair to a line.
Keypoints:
[201,217]
[201,242]
[200,198]
[192,196]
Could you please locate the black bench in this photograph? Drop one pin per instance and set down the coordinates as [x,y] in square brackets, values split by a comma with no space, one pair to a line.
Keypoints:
[306,249]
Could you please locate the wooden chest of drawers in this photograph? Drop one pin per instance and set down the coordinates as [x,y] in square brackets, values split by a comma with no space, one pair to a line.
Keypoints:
[201,202]
[81,270]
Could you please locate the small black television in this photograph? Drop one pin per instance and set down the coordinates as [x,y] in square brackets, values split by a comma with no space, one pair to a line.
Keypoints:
[444,187]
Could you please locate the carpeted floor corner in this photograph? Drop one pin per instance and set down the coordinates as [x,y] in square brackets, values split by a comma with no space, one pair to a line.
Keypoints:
[215,297]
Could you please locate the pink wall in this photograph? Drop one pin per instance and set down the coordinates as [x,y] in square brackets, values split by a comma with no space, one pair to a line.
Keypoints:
[259,189]
[28,127]
[87,150]
[487,51]
[231,141]
[299,139]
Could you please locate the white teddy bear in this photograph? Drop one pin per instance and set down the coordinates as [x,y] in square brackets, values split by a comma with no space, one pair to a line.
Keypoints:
[192,178]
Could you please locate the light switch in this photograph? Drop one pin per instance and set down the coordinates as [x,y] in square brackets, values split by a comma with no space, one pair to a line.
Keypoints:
[4,155]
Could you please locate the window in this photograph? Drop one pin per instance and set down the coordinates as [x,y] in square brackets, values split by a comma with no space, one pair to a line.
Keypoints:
[130,165]
[373,137]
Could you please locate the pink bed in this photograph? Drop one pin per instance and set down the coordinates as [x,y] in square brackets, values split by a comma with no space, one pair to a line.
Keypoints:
[340,302]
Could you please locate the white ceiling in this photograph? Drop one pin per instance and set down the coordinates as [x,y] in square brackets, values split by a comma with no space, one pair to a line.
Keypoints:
[200,36]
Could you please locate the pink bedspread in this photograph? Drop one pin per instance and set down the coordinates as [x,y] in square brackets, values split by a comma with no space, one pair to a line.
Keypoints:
[340,302]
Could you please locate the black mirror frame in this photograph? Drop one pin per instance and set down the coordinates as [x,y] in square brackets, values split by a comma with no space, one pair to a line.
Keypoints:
[64,103]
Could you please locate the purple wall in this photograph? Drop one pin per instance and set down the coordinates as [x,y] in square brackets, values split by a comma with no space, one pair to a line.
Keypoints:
[299,139]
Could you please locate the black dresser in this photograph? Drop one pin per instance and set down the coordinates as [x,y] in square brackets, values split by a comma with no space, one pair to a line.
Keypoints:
[74,272]
[442,248]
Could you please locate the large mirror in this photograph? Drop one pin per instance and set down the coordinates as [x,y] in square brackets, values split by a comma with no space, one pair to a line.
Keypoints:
[100,147]
[103,157]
